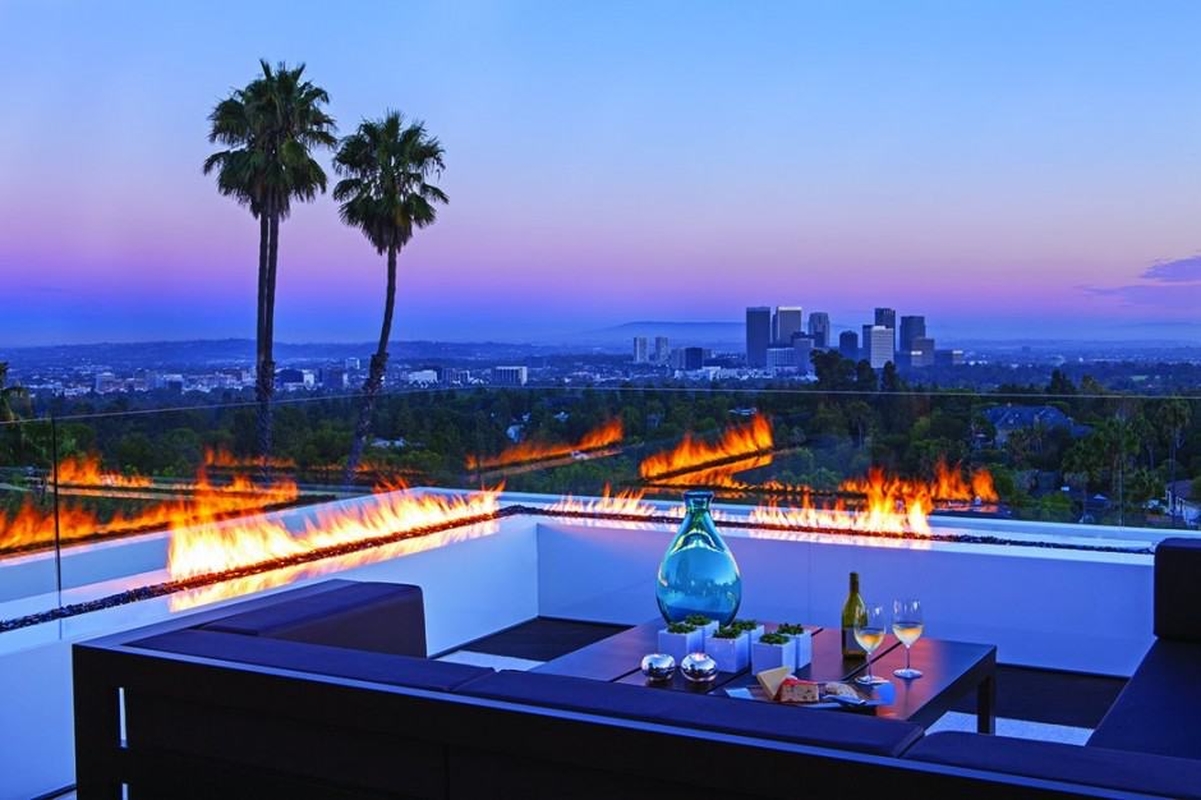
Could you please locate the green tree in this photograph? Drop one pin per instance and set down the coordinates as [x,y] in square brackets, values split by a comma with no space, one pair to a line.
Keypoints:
[1173,417]
[386,192]
[269,129]
[9,395]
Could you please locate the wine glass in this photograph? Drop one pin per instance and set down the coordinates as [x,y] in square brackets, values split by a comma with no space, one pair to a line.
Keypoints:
[907,625]
[869,632]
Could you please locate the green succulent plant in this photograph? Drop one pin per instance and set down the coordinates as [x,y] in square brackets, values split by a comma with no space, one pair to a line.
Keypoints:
[680,627]
[728,632]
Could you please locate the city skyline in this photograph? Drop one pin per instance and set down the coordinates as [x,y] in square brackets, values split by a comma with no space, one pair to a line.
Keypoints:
[1005,169]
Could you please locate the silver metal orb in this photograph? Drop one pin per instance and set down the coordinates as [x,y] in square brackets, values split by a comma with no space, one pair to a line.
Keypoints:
[658,666]
[698,667]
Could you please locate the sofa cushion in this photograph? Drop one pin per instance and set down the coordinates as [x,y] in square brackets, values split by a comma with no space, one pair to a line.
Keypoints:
[1177,590]
[338,662]
[840,729]
[1091,766]
[384,617]
[1152,714]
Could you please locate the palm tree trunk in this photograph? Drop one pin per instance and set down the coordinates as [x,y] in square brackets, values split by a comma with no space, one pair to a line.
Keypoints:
[265,379]
[375,377]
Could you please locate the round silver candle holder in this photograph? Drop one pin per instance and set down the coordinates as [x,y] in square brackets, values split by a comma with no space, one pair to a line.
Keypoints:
[698,667]
[658,667]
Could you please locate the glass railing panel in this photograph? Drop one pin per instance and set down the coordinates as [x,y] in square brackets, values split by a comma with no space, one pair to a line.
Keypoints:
[973,461]
[31,522]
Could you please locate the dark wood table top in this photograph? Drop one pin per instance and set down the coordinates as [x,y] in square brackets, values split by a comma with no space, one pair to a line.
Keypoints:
[951,669]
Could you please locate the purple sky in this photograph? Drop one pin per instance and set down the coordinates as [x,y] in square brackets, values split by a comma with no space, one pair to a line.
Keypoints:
[1008,169]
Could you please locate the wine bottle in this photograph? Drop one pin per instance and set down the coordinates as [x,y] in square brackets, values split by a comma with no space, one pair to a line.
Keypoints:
[852,609]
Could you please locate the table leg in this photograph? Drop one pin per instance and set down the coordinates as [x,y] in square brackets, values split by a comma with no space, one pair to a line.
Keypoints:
[986,705]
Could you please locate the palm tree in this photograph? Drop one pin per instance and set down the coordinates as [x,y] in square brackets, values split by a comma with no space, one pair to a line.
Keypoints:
[387,164]
[269,129]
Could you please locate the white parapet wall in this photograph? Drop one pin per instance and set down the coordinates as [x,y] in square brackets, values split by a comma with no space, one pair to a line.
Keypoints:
[1073,606]
[1047,607]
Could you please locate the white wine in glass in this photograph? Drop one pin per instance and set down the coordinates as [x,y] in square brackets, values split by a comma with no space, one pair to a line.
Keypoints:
[869,632]
[907,625]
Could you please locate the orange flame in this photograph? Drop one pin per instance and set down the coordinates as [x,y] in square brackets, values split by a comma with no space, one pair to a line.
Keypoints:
[85,470]
[212,548]
[608,434]
[736,442]
[237,587]
[223,459]
[34,526]
[627,502]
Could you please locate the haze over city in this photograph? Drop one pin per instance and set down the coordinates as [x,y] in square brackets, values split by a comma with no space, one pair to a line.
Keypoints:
[1008,170]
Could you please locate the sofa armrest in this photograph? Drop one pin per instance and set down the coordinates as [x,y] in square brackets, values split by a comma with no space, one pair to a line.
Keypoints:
[359,615]
[335,662]
[1177,589]
[1102,767]
[1155,711]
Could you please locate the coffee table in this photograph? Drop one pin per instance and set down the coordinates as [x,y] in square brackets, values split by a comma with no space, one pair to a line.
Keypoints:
[951,670]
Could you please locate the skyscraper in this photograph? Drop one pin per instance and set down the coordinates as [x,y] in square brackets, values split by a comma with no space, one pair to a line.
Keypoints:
[662,353]
[819,329]
[758,335]
[786,322]
[878,348]
[911,328]
[848,345]
[640,352]
[888,318]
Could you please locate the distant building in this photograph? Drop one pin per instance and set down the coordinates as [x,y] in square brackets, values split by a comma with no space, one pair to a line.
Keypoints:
[662,352]
[641,354]
[333,378]
[455,375]
[510,376]
[422,377]
[913,327]
[888,318]
[693,358]
[921,352]
[819,329]
[758,335]
[878,347]
[106,382]
[1009,418]
[803,347]
[351,364]
[948,358]
[781,358]
[848,345]
[786,323]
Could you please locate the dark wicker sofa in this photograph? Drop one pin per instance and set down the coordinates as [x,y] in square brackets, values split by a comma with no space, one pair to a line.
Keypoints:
[325,691]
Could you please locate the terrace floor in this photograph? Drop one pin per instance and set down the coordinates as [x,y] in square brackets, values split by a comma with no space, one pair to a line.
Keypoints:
[1031,703]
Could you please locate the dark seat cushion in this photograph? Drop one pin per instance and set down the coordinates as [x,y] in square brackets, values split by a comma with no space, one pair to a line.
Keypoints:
[384,617]
[338,662]
[839,729]
[1154,713]
[1091,766]
[1177,590]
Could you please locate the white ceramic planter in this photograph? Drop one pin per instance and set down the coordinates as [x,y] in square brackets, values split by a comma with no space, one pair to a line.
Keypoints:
[731,655]
[804,648]
[768,656]
[679,645]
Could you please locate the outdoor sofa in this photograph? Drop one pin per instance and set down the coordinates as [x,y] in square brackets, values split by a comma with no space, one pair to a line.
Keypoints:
[325,691]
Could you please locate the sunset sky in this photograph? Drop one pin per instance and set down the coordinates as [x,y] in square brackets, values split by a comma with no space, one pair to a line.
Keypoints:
[1009,169]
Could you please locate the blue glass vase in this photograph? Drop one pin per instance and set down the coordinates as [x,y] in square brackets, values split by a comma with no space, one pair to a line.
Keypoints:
[698,574]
